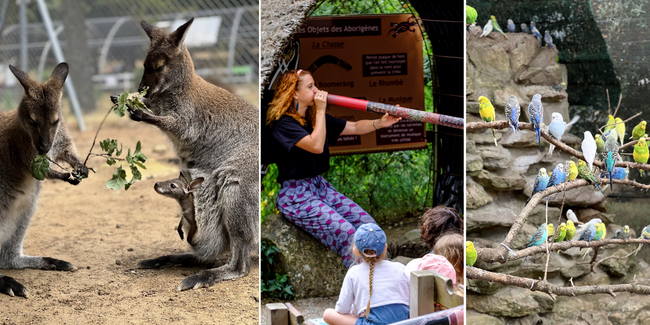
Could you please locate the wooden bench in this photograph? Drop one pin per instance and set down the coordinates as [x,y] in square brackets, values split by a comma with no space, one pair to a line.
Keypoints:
[426,289]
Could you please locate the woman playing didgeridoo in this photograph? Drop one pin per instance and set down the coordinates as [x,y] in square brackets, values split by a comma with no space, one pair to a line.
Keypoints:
[302,133]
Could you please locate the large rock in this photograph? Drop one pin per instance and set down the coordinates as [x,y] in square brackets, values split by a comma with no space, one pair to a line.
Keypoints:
[511,302]
[619,267]
[476,195]
[313,269]
[503,180]
[475,318]
[473,163]
[494,157]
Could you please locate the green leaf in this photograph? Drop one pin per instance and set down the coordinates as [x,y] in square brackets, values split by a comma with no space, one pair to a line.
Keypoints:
[118,152]
[121,104]
[40,167]
[139,164]
[118,180]
[110,161]
[108,146]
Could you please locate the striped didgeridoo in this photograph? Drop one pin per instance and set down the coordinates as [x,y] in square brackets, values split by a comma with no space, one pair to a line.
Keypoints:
[404,113]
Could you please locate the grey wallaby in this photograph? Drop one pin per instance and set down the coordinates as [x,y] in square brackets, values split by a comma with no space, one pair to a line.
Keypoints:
[215,135]
[181,190]
[35,127]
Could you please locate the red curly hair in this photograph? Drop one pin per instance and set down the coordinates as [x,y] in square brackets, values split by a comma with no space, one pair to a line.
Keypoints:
[283,102]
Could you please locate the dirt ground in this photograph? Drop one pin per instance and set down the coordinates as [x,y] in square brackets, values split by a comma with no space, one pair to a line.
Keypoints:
[104,233]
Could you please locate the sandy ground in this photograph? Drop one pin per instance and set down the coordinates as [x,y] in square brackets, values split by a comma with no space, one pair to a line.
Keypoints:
[104,233]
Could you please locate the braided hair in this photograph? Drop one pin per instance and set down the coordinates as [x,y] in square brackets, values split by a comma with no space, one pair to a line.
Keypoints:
[371,261]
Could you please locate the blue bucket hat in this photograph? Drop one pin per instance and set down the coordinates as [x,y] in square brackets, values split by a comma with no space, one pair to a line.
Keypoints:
[370,237]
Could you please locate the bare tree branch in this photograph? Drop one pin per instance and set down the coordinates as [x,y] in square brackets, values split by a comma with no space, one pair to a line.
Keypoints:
[552,289]
[593,266]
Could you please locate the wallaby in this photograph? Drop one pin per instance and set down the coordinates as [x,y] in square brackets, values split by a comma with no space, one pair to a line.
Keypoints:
[215,135]
[35,127]
[179,189]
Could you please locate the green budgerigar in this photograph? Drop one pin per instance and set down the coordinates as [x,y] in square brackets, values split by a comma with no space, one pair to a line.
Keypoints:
[470,253]
[600,231]
[587,174]
[638,131]
[495,26]
[641,153]
[561,233]
[600,144]
[486,110]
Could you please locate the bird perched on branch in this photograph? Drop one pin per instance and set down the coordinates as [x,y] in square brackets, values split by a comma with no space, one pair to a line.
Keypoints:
[487,29]
[581,229]
[496,26]
[570,215]
[573,171]
[470,253]
[513,111]
[561,233]
[536,115]
[486,110]
[622,233]
[641,153]
[570,230]
[600,144]
[556,129]
[541,181]
[587,174]
[610,151]
[589,149]
[539,237]
[645,234]
[620,128]
[588,234]
[557,177]
[610,123]
[638,131]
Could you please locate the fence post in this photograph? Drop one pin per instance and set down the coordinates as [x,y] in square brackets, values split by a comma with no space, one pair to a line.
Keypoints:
[277,314]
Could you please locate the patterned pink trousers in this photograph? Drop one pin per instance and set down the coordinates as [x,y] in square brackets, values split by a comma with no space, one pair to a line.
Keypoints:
[318,208]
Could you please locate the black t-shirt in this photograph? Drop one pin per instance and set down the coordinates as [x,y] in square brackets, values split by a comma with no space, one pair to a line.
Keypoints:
[294,162]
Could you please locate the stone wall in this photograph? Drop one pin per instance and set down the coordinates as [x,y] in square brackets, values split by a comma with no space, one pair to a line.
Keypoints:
[500,179]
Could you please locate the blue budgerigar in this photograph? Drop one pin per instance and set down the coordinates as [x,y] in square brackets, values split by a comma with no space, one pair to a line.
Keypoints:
[539,237]
[588,234]
[513,111]
[535,32]
[556,129]
[510,26]
[536,115]
[620,173]
[645,234]
[525,29]
[557,177]
[541,182]
[549,40]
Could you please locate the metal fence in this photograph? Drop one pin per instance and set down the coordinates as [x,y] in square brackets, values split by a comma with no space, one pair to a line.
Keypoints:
[223,40]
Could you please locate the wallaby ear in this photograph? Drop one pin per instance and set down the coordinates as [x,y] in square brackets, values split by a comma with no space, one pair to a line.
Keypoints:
[148,28]
[195,184]
[23,78]
[180,175]
[59,74]
[178,36]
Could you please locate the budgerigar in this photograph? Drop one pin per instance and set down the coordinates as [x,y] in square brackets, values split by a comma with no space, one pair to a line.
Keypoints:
[641,153]
[541,181]
[601,231]
[588,234]
[561,233]
[620,128]
[600,144]
[570,215]
[645,234]
[589,149]
[513,111]
[557,177]
[622,233]
[510,26]
[534,31]
[611,155]
[549,40]
[556,129]
[487,29]
[536,115]
[560,86]
[587,174]
[620,173]
[539,237]
[487,113]
[638,131]
[471,15]
[570,230]
[584,227]
[525,29]
[470,253]
[610,124]
[573,171]
[551,230]
[496,26]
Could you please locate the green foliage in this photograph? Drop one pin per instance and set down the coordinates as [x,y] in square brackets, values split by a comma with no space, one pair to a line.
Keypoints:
[110,151]
[274,285]
[40,167]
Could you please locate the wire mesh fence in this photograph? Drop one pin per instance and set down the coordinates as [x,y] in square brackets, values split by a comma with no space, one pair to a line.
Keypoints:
[105,46]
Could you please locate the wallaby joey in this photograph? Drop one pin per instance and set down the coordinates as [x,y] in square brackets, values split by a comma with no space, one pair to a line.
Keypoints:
[179,189]
[215,135]
[35,127]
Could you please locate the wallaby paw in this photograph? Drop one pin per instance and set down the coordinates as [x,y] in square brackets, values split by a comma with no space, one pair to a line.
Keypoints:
[114,99]
[59,265]
[156,263]
[80,172]
[72,179]
[136,114]
[11,287]
[202,279]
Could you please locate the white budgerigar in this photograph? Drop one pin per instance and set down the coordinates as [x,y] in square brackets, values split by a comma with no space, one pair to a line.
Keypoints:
[487,29]
[556,129]
[589,149]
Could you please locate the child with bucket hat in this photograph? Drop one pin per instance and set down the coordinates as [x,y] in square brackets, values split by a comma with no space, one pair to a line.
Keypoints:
[357,304]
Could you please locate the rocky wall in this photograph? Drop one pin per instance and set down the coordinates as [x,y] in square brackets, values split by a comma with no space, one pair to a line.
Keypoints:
[500,179]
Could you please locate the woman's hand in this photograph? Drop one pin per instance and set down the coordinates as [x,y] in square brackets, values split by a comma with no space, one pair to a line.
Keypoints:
[387,120]
[320,101]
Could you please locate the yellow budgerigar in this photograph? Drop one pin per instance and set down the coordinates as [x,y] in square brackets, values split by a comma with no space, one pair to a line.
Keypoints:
[641,153]
[620,128]
[487,113]
[573,171]
[610,124]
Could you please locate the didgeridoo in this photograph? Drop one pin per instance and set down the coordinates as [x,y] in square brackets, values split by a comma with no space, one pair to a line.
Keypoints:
[405,113]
